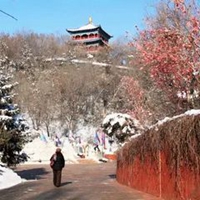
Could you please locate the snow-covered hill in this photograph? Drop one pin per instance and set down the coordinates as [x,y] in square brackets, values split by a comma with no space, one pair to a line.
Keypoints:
[40,151]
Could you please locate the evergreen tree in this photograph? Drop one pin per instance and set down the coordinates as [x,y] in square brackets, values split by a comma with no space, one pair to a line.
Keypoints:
[13,130]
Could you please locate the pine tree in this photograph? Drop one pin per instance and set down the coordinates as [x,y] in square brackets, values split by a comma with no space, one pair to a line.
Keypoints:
[13,131]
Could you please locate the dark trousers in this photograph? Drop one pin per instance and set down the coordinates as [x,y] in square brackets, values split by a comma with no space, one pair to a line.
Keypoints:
[57,177]
[97,148]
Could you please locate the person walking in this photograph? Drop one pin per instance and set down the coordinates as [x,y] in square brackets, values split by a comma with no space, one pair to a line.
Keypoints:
[57,164]
[97,141]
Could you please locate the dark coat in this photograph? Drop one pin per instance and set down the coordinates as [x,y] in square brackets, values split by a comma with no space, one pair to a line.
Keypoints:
[59,162]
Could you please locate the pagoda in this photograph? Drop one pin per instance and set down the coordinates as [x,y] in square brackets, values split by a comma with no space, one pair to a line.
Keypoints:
[94,37]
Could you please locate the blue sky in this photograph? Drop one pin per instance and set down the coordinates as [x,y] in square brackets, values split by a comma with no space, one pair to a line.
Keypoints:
[54,16]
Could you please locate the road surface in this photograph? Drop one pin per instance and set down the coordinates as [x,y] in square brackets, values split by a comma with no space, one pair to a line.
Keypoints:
[79,182]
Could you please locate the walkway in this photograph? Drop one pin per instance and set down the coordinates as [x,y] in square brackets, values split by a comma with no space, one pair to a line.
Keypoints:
[79,182]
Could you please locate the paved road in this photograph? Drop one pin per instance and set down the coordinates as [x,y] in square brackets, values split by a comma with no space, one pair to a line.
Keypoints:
[79,182]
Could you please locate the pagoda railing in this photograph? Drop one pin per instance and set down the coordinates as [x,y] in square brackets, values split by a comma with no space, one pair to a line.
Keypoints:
[84,37]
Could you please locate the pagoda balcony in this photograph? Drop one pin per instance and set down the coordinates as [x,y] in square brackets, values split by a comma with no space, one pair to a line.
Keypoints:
[86,37]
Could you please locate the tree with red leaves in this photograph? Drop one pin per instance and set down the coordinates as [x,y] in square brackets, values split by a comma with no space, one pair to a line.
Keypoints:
[170,53]
[135,99]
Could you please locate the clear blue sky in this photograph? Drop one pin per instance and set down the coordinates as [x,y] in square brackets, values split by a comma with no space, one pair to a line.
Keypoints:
[54,16]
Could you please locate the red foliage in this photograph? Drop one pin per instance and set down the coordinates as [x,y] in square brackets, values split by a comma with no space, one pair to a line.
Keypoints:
[135,97]
[171,55]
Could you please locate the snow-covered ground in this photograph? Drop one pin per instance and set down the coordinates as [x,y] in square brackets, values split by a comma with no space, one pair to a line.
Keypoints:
[8,178]
[41,149]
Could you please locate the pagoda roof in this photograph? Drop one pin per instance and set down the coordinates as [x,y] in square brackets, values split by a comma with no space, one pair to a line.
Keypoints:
[85,27]
[88,27]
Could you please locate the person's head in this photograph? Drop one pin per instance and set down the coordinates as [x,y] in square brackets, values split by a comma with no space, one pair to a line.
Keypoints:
[58,150]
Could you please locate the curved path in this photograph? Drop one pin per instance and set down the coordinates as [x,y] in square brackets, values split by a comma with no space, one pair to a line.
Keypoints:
[79,182]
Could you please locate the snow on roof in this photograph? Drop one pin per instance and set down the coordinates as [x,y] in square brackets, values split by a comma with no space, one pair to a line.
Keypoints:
[85,27]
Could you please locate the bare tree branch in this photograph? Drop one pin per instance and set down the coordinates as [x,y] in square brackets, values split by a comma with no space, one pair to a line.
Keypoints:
[8,15]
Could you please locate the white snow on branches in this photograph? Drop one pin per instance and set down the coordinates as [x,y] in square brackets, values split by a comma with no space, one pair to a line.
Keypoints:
[121,126]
